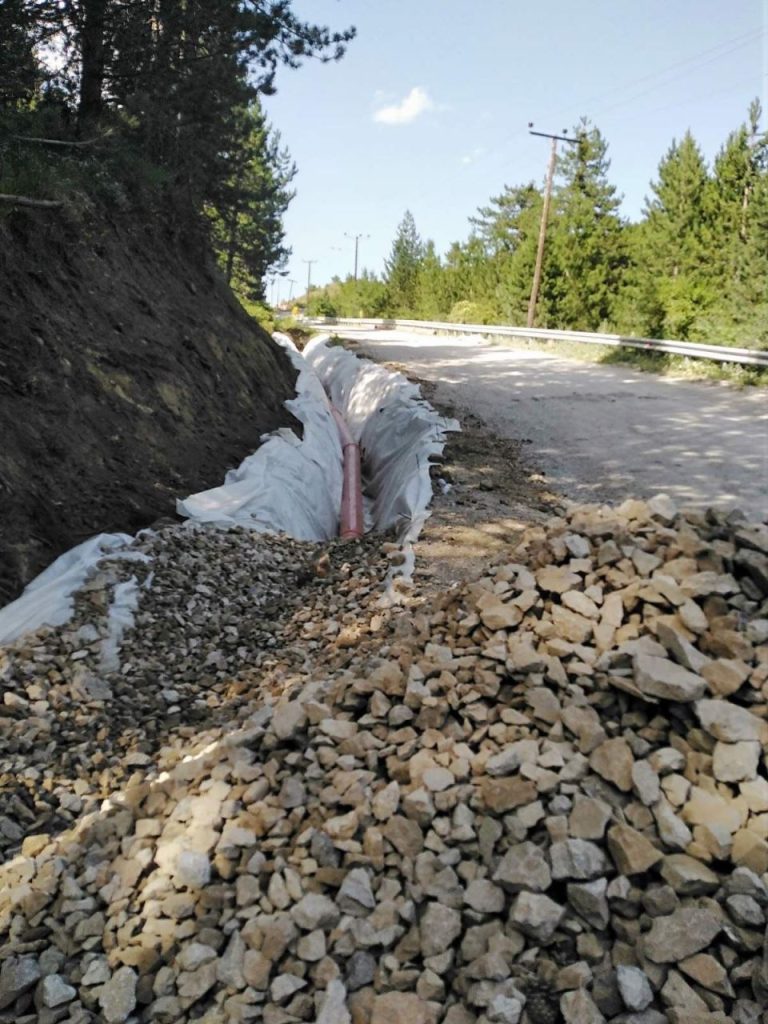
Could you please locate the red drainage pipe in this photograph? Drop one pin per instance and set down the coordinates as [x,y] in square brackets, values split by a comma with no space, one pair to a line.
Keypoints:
[351,492]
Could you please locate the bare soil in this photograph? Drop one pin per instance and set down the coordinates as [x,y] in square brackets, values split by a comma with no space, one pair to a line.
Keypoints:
[129,376]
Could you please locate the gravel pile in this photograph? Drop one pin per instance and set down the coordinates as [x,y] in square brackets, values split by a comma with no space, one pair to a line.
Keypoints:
[214,606]
[541,795]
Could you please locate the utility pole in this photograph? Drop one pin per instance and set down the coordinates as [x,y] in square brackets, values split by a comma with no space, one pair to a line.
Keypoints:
[544,216]
[309,274]
[357,242]
[291,282]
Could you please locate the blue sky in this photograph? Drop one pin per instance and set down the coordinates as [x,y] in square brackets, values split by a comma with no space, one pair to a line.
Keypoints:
[428,110]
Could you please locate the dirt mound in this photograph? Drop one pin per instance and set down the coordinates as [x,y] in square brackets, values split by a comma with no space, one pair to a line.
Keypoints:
[129,375]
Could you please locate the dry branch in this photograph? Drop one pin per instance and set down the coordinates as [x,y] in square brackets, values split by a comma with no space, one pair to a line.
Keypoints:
[46,204]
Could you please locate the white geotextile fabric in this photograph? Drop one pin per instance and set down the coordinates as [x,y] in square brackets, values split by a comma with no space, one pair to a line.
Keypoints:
[48,598]
[397,431]
[288,485]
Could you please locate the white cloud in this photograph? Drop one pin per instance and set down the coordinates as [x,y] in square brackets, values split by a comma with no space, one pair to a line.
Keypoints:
[417,102]
[475,155]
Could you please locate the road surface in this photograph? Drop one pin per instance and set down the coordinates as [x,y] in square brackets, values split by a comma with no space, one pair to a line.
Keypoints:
[600,432]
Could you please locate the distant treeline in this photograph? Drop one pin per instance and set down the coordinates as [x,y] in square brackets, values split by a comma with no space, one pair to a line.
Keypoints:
[156,103]
[694,267]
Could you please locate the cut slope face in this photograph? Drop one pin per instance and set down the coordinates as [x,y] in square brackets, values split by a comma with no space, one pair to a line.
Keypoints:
[128,375]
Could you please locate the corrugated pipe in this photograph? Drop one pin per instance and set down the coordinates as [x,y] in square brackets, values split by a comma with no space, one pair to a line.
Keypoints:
[352,491]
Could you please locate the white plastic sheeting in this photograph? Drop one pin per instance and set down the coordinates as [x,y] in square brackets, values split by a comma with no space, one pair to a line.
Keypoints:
[288,485]
[125,601]
[397,430]
[47,600]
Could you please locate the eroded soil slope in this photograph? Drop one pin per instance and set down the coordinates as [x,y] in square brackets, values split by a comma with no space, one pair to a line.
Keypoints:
[129,376]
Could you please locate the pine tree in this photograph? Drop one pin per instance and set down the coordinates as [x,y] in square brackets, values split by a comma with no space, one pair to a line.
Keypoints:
[737,169]
[246,215]
[675,241]
[18,67]
[430,286]
[402,267]
[506,222]
[586,255]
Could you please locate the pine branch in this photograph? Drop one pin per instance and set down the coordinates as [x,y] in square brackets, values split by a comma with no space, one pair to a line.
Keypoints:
[63,142]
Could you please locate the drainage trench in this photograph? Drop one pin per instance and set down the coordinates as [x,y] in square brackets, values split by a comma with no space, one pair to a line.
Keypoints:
[366,430]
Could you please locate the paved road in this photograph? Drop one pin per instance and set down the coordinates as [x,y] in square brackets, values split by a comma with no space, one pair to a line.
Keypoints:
[601,432]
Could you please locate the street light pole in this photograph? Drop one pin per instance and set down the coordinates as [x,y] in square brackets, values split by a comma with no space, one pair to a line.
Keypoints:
[544,217]
[357,243]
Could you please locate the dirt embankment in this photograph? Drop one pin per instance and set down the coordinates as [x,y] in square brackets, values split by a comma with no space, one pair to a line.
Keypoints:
[129,375]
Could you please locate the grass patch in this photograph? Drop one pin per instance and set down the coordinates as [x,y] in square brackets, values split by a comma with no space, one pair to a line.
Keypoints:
[661,363]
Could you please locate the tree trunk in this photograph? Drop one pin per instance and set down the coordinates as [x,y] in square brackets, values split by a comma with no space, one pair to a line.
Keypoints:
[93,52]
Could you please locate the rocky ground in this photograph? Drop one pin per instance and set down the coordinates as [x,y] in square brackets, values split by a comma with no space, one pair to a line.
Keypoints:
[538,794]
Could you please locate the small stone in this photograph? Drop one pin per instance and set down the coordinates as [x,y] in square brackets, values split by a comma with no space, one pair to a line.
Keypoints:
[705,970]
[745,911]
[505,1007]
[589,817]
[54,991]
[634,987]
[495,614]
[557,580]
[394,1007]
[361,970]
[577,859]
[117,997]
[736,762]
[405,835]
[589,901]
[662,507]
[512,757]
[645,783]
[333,1005]
[536,915]
[288,720]
[315,911]
[672,830]
[484,897]
[292,793]
[229,970]
[613,761]
[386,802]
[678,936]
[659,677]
[631,851]
[523,866]
[688,876]
[437,779]
[730,723]
[192,985]
[502,795]
[355,895]
[195,955]
[438,928]
[311,947]
[193,870]
[17,975]
[578,1008]
[725,676]
[284,986]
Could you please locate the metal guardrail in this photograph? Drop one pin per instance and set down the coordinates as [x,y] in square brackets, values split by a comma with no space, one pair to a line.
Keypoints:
[692,349]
